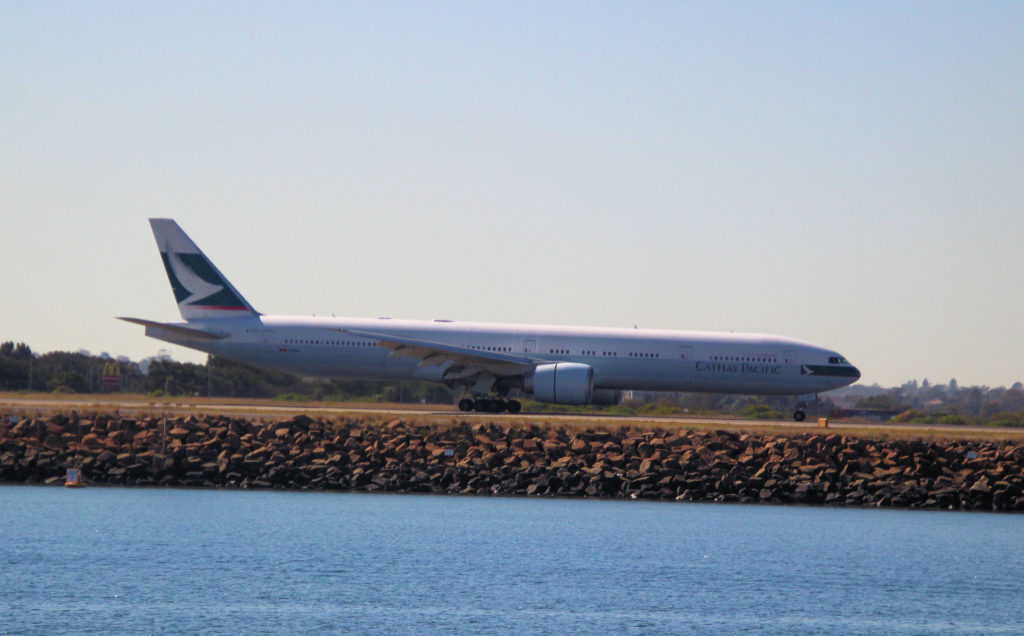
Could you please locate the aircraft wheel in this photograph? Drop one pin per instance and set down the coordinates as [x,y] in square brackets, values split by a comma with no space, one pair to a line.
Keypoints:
[482,405]
[497,406]
[466,404]
[799,416]
[514,406]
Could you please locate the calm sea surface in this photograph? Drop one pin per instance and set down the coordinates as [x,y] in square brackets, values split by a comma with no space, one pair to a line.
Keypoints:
[119,560]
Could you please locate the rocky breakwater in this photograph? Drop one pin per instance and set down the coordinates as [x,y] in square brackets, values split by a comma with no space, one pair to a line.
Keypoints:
[463,458]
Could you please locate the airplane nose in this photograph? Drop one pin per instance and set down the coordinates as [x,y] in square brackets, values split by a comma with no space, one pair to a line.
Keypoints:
[856,374]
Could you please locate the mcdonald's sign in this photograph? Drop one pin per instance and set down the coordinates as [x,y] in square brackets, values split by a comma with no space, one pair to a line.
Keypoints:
[111,374]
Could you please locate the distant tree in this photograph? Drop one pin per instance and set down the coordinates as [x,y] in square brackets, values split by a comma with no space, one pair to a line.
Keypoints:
[891,401]
[68,380]
[975,399]
[1007,419]
[1012,400]
[13,374]
[10,350]
[175,378]
[909,416]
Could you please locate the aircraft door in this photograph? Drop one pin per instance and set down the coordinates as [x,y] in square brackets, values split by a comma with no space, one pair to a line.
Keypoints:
[789,356]
[688,370]
[269,342]
[529,346]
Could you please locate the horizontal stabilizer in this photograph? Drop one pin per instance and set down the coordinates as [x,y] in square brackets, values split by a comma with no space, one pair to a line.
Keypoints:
[179,331]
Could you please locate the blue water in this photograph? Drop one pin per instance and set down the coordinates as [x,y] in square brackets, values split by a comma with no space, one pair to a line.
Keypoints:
[119,560]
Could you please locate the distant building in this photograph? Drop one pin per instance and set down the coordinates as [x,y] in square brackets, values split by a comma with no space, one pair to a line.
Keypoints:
[163,354]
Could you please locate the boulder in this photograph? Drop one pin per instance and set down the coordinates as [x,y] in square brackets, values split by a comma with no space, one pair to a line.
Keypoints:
[981,486]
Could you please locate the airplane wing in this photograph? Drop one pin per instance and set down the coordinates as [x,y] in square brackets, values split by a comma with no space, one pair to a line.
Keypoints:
[467,362]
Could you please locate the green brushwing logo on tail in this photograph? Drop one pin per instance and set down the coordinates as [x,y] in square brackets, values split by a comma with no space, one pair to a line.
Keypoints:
[197,284]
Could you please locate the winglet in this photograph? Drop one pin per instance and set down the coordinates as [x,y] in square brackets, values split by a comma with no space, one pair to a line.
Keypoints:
[200,290]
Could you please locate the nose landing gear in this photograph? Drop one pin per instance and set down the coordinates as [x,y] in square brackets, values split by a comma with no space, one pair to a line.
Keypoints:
[799,414]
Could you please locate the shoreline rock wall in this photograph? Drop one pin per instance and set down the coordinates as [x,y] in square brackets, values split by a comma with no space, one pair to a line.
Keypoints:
[482,458]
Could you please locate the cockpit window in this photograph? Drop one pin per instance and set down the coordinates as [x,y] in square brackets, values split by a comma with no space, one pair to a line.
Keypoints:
[837,360]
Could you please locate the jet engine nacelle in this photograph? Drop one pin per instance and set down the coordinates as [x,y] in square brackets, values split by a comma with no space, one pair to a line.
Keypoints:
[605,397]
[562,383]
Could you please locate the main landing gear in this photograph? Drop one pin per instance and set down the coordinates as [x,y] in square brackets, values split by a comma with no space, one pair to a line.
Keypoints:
[490,405]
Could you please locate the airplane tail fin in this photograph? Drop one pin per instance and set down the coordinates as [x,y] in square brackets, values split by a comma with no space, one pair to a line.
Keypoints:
[199,288]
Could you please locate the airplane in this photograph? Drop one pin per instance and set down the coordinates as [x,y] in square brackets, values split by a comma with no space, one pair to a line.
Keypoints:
[486,362]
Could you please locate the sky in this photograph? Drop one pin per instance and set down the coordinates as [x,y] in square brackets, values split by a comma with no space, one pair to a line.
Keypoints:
[851,174]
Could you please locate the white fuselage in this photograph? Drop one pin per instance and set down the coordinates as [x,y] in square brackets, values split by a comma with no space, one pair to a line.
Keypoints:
[622,359]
